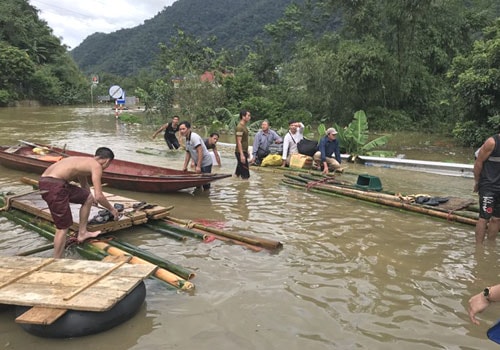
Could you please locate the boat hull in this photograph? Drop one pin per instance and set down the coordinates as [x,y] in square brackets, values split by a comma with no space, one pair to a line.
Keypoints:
[120,174]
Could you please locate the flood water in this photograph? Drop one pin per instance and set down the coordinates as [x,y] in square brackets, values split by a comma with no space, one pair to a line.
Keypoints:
[351,275]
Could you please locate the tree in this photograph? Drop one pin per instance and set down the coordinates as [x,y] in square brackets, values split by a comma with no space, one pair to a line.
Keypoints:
[15,69]
[476,79]
[186,54]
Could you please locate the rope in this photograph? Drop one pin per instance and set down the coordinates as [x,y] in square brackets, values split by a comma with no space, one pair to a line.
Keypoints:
[189,224]
[8,199]
[311,184]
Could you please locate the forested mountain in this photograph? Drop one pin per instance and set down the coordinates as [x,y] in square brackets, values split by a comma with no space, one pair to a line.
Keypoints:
[34,65]
[233,22]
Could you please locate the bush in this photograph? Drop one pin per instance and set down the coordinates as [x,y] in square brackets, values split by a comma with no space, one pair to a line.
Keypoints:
[389,120]
[469,134]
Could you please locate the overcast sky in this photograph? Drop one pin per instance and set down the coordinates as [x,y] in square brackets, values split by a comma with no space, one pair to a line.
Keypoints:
[73,21]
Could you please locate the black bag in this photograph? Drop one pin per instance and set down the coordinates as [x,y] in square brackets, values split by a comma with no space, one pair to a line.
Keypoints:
[307,147]
[276,148]
[261,153]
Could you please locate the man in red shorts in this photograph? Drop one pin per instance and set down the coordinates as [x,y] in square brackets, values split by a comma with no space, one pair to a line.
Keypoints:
[59,193]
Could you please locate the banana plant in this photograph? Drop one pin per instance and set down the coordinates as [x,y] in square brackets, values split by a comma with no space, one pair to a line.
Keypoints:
[354,138]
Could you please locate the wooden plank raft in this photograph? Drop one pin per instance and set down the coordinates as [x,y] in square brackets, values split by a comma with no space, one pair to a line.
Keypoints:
[133,214]
[53,286]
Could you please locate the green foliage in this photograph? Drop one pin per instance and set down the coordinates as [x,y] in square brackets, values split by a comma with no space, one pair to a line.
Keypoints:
[225,120]
[129,118]
[240,86]
[354,138]
[389,119]
[468,133]
[235,24]
[5,98]
[198,100]
[33,62]
[476,78]
[15,66]
[162,93]
[186,54]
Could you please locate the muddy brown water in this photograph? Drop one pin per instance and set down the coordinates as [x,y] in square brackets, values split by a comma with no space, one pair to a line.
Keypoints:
[351,275]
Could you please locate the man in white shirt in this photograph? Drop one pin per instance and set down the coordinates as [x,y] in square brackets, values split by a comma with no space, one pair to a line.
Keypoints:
[292,138]
[196,149]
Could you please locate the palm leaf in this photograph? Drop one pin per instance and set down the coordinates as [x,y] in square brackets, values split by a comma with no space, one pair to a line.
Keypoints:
[379,141]
[359,127]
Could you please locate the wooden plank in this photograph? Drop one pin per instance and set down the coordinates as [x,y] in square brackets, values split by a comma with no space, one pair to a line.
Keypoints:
[50,286]
[40,315]
[33,203]
[26,273]
[97,279]
[85,267]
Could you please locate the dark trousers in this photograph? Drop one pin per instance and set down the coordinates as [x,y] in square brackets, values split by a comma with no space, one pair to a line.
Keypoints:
[242,168]
[172,143]
[206,170]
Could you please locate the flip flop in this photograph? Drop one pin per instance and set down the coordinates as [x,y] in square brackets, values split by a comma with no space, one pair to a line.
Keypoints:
[118,206]
[422,199]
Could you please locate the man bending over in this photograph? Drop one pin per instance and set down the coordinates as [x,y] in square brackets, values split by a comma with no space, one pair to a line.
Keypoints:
[59,193]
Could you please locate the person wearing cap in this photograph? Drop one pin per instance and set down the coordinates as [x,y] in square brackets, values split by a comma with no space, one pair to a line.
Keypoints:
[328,154]
[292,138]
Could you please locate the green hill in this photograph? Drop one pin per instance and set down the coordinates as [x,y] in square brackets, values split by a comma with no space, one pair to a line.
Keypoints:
[234,23]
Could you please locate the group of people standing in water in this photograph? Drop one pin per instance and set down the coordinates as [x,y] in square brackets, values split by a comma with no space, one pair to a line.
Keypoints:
[326,157]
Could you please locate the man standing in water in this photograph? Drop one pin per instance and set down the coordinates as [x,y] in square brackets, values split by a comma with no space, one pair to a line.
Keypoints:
[170,130]
[59,193]
[487,184]
[241,151]
[196,149]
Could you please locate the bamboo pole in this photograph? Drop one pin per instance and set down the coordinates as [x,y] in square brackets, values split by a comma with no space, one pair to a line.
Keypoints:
[401,205]
[90,250]
[160,273]
[166,232]
[182,230]
[161,262]
[257,241]
[398,198]
[209,236]
[36,250]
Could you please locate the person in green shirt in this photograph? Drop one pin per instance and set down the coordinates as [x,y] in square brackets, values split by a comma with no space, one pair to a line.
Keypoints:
[241,151]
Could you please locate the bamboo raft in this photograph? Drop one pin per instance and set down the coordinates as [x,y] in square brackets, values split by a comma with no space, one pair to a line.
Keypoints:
[29,210]
[454,210]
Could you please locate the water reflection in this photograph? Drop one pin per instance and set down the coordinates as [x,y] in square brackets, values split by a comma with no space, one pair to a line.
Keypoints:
[351,275]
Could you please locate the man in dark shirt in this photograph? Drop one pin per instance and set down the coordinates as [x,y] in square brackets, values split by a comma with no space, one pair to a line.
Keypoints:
[170,130]
[328,154]
[487,184]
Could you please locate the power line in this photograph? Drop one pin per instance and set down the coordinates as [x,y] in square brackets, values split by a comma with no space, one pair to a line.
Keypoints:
[56,7]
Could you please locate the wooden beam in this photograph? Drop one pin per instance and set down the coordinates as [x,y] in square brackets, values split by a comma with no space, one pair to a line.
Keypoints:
[40,315]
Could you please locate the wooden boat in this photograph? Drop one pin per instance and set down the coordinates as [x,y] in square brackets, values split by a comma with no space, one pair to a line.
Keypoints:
[120,174]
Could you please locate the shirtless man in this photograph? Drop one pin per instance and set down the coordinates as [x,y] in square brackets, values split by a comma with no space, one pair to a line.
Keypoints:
[59,193]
